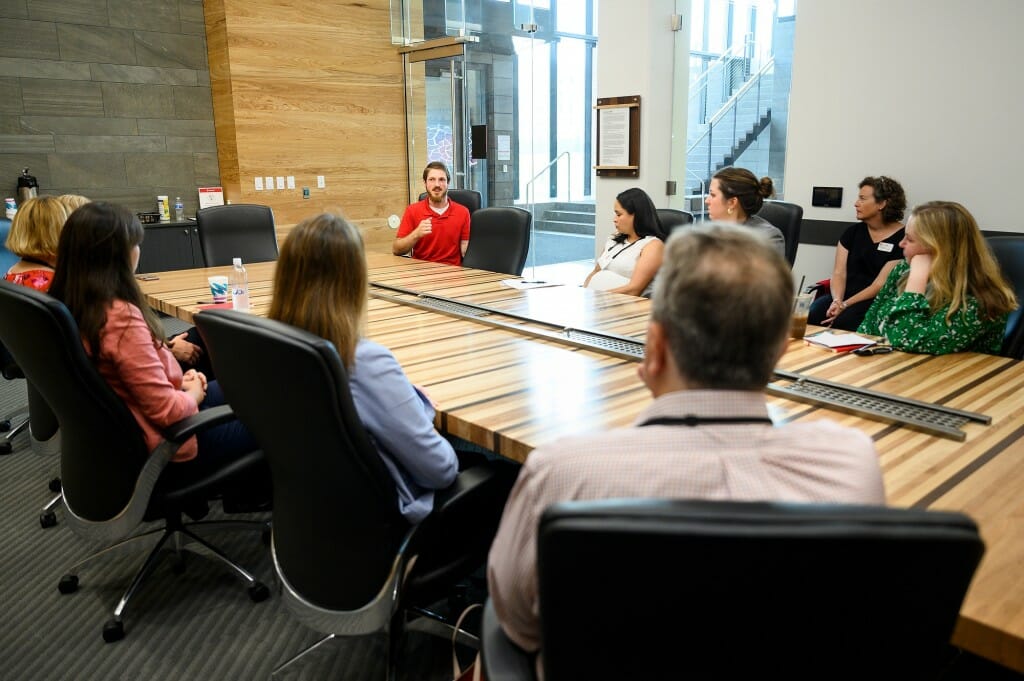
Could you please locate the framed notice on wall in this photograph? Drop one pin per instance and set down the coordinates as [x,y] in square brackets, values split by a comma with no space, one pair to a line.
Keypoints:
[618,136]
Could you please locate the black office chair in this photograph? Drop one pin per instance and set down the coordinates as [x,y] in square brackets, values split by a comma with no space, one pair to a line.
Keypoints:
[14,423]
[499,239]
[110,481]
[44,440]
[470,198]
[787,217]
[239,230]
[1009,251]
[343,553]
[671,218]
[650,589]
[44,433]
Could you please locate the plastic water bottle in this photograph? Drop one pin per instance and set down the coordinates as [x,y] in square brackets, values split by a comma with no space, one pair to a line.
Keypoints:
[179,209]
[239,286]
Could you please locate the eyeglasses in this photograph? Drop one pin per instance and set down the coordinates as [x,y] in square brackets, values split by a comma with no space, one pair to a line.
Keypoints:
[873,350]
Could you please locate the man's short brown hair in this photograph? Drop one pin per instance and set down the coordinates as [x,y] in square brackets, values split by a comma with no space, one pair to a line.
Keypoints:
[724,296]
[436,165]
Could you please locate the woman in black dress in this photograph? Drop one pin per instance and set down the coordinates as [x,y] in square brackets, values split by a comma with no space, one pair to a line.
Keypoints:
[866,253]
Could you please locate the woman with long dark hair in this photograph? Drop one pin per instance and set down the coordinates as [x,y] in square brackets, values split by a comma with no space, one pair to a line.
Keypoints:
[95,278]
[633,254]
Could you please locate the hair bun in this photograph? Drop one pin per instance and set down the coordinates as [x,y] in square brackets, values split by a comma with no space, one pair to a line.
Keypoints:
[767,187]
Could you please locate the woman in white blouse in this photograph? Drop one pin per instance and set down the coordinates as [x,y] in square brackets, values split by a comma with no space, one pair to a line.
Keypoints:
[633,254]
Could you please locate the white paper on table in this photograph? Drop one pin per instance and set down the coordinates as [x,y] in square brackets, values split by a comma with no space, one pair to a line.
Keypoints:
[838,340]
[522,284]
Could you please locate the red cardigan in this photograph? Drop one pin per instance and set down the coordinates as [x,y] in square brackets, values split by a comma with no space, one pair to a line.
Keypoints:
[147,378]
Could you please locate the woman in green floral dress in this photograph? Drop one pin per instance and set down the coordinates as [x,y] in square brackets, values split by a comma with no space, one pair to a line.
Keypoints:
[949,294]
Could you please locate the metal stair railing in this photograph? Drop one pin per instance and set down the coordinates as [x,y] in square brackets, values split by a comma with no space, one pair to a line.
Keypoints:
[762,106]
[531,201]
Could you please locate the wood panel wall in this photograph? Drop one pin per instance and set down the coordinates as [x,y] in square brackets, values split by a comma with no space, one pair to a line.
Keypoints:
[307,89]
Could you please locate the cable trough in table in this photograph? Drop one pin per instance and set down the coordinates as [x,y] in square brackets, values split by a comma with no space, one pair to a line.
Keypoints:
[923,416]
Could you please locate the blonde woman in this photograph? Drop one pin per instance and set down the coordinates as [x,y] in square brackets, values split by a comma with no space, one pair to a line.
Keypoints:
[35,232]
[73,201]
[320,285]
[949,294]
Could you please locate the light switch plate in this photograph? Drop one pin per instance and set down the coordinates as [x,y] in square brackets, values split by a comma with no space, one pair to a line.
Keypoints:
[320,182]
[291,181]
[280,181]
[259,184]
[268,182]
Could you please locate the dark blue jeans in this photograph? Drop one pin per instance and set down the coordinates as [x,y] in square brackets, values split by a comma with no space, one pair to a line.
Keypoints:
[219,446]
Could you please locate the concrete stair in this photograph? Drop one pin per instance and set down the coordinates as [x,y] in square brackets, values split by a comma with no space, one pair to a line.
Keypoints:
[565,217]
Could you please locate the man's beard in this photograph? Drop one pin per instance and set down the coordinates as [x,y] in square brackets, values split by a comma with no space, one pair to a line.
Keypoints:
[438,200]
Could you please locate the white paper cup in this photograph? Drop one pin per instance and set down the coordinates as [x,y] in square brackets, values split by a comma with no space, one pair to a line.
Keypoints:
[219,289]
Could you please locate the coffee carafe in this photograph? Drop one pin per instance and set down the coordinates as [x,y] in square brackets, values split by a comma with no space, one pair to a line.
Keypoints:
[28,188]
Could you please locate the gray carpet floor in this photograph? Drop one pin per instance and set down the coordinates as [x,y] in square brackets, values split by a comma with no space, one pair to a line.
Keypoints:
[197,625]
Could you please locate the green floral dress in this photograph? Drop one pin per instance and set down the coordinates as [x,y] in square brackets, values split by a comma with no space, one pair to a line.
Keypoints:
[907,321]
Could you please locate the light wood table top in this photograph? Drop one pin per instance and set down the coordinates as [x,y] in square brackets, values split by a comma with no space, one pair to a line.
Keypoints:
[509,392]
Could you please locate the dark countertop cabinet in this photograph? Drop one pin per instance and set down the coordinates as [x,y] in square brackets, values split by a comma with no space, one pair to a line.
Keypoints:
[170,246]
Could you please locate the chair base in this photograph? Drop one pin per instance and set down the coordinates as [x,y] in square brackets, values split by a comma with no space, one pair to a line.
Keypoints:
[48,516]
[181,534]
[425,621]
[6,444]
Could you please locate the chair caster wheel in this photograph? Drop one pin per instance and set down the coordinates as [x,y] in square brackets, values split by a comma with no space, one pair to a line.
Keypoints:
[259,592]
[5,425]
[55,485]
[68,584]
[5,448]
[113,630]
[48,519]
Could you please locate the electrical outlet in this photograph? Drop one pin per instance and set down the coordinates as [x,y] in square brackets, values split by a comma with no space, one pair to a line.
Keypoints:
[259,184]
[321,182]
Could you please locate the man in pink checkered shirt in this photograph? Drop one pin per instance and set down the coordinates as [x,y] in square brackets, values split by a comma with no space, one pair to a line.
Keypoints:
[719,323]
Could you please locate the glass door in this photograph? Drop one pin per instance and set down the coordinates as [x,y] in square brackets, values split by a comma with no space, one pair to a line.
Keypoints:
[502,92]
[437,115]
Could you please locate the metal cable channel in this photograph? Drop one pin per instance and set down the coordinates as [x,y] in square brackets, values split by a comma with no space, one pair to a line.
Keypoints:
[924,416]
[619,344]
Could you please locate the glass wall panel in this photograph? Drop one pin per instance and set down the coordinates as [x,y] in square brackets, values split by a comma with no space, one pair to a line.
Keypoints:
[739,59]
[523,92]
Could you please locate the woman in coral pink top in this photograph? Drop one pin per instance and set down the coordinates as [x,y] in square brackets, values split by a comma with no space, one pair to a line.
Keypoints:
[97,256]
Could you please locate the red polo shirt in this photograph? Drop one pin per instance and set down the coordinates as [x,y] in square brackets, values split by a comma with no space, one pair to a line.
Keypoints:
[448,230]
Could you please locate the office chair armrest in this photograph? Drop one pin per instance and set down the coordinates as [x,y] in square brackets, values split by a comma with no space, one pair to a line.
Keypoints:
[190,425]
[467,483]
[502,659]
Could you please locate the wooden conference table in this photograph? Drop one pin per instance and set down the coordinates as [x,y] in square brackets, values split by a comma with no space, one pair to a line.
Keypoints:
[510,392]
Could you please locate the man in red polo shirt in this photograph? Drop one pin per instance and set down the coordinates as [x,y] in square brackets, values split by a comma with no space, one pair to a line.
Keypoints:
[435,228]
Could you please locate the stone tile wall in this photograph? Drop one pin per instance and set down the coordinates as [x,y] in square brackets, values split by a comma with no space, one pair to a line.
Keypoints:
[107,98]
